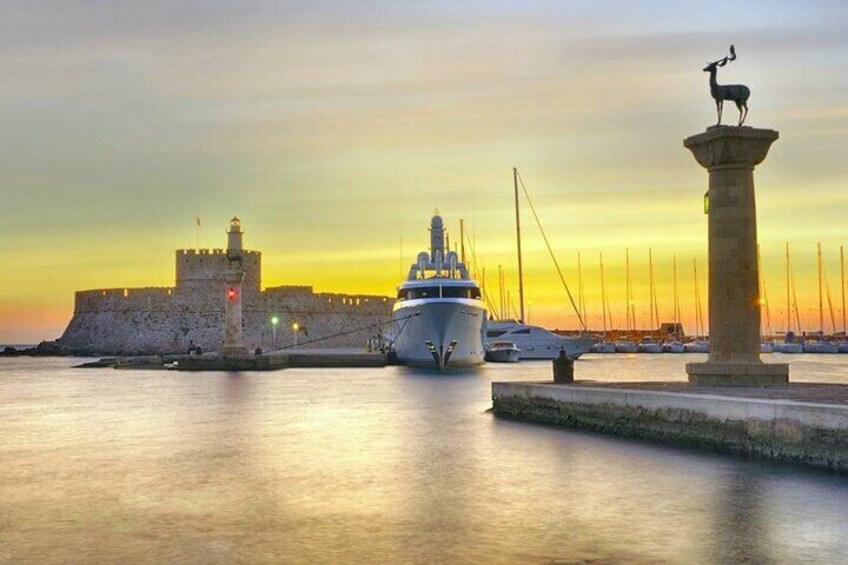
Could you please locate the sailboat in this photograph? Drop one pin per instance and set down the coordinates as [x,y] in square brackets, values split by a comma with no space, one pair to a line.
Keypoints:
[699,344]
[789,344]
[675,346]
[820,345]
[627,345]
[536,342]
[604,346]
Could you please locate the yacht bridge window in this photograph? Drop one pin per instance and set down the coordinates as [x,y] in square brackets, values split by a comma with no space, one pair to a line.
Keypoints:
[439,292]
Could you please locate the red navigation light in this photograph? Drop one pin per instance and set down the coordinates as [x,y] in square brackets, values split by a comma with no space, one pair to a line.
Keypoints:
[231,293]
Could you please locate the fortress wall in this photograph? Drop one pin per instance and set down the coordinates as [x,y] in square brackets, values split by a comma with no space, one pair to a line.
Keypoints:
[113,323]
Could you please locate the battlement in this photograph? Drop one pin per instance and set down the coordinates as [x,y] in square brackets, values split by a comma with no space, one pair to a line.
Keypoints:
[284,290]
[213,251]
[123,299]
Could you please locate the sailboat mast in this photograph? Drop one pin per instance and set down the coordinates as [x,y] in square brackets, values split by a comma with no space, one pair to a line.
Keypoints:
[788,306]
[501,297]
[763,302]
[821,303]
[627,289]
[603,296]
[580,300]
[842,281]
[518,242]
[676,303]
[652,304]
[699,322]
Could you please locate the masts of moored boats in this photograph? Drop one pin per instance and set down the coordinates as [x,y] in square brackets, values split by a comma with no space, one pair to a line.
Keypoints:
[821,306]
[700,330]
[676,301]
[842,284]
[653,309]
[764,303]
[631,310]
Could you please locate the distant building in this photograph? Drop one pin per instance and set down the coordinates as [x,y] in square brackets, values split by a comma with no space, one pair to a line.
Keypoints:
[169,319]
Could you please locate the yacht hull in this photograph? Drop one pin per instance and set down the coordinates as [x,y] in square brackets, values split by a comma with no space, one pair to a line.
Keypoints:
[439,334]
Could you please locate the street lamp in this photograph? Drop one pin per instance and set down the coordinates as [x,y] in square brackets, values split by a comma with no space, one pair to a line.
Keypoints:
[274,321]
[295,328]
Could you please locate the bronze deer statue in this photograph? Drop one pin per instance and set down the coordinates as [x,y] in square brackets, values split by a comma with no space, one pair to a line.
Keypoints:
[738,93]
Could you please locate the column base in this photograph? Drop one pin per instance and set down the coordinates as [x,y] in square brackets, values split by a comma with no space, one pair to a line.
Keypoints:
[738,374]
[233,351]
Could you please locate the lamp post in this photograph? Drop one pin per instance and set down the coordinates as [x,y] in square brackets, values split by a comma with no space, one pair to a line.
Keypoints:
[295,329]
[274,321]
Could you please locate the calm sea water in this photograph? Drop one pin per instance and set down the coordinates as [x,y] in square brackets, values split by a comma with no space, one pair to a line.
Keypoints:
[378,465]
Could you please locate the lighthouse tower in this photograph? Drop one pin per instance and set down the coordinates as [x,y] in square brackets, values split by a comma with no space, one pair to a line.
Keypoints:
[234,236]
[233,277]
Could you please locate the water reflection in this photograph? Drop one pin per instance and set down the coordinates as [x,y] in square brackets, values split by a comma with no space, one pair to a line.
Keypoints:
[371,465]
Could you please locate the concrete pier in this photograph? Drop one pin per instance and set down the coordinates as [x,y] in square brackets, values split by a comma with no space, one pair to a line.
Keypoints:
[730,154]
[799,423]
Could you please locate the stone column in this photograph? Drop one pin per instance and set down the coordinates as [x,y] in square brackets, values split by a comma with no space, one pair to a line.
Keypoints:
[232,315]
[730,154]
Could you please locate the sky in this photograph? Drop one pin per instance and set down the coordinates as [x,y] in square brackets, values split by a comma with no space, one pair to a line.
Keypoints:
[335,129]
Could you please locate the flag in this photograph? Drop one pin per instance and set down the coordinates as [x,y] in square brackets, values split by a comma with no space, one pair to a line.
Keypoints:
[198,221]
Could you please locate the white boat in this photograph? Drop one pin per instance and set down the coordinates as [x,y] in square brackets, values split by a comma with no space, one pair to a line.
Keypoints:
[649,345]
[439,316]
[502,352]
[697,346]
[626,346]
[536,342]
[603,347]
[673,347]
[821,346]
[790,347]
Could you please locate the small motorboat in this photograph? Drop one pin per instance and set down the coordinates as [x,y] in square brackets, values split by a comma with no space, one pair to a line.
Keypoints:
[502,352]
[697,346]
[649,345]
[603,347]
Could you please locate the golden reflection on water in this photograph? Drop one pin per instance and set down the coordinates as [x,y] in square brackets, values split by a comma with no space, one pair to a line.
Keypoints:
[371,466]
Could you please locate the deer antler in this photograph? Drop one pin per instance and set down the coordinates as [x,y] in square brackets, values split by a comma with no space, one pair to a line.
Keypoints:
[732,53]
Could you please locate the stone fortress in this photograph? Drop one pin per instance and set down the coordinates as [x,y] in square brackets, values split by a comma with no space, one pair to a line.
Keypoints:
[152,320]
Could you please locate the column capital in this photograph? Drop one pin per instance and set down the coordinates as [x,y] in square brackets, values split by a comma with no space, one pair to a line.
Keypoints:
[731,145]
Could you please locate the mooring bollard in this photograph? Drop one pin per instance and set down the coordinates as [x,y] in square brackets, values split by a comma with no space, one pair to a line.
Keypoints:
[563,369]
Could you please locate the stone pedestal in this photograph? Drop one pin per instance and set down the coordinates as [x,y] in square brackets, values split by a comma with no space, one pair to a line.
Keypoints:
[233,346]
[730,154]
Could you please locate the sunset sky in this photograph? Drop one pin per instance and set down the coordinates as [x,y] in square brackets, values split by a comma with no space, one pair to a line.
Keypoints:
[334,129]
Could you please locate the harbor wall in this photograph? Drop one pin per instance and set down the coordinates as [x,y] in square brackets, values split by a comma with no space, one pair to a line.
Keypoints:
[135,321]
[807,433]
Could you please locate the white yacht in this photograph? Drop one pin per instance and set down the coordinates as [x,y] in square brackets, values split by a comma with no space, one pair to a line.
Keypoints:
[535,342]
[439,317]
